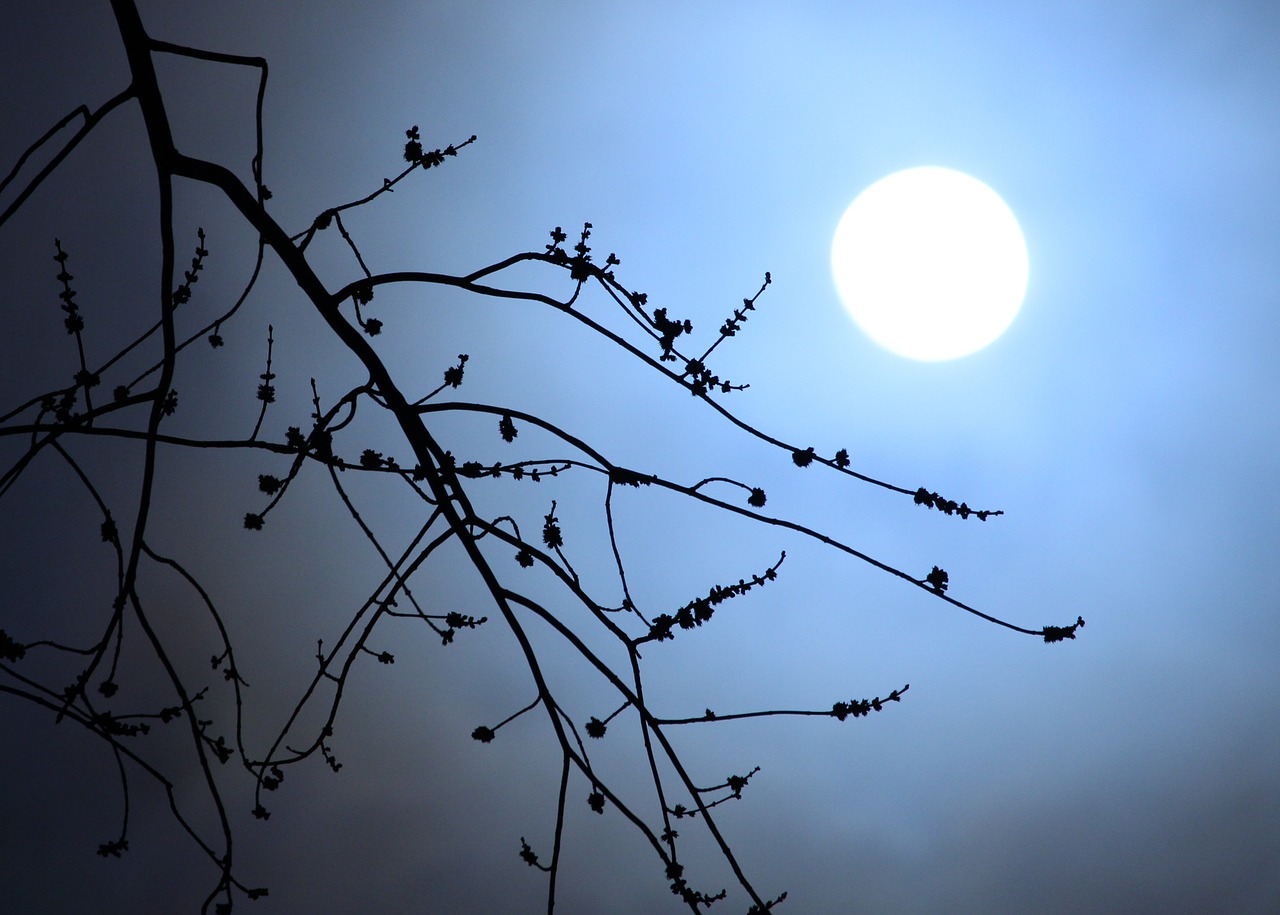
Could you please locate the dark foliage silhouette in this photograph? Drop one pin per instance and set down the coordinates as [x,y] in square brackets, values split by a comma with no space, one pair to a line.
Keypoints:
[94,680]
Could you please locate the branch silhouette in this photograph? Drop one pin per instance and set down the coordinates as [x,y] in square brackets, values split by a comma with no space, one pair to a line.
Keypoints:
[81,681]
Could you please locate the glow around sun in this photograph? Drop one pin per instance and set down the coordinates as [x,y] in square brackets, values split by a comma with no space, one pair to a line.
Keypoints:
[930,263]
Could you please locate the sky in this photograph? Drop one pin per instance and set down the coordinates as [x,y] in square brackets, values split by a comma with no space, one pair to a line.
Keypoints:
[1124,424]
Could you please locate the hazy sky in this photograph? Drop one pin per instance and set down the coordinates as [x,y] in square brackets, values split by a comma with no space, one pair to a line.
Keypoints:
[1126,424]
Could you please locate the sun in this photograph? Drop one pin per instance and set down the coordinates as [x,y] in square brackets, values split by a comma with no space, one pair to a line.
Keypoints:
[930,263]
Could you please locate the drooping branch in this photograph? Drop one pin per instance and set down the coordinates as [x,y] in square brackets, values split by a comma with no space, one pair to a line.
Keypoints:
[71,421]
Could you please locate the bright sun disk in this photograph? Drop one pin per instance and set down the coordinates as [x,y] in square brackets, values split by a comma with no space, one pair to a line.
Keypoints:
[930,263]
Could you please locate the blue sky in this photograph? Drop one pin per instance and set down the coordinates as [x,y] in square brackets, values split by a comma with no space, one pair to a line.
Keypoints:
[1125,424]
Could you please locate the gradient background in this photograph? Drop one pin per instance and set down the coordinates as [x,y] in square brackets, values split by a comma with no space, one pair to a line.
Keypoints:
[1126,423]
